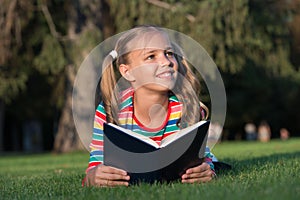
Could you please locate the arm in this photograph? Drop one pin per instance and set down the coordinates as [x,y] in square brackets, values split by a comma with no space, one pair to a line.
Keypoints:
[97,174]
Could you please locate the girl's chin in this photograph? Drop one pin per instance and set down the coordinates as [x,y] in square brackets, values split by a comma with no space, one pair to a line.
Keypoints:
[160,87]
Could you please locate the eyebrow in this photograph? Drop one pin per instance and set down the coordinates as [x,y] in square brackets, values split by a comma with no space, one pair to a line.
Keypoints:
[154,50]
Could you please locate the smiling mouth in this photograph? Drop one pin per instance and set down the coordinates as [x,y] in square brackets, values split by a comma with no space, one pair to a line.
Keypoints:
[165,75]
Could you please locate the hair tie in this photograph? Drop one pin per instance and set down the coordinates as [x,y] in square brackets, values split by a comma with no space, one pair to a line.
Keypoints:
[113,54]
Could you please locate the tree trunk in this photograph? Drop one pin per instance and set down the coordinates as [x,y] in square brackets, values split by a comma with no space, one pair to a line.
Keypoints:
[67,139]
[99,17]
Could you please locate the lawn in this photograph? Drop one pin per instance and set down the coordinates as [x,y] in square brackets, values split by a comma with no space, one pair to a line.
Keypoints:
[260,171]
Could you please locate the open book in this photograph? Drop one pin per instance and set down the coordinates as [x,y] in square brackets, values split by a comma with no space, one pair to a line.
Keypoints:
[146,161]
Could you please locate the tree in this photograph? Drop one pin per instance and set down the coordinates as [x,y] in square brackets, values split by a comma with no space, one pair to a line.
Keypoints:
[86,21]
[14,17]
[254,44]
[54,49]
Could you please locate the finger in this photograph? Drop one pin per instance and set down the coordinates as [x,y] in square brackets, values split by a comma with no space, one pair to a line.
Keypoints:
[109,176]
[197,175]
[197,180]
[194,175]
[117,183]
[110,183]
[199,168]
[111,170]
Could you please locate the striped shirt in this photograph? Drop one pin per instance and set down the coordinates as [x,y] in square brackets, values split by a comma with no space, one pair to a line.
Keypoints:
[129,121]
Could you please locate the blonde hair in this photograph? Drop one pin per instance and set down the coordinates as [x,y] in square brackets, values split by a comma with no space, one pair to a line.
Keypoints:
[187,88]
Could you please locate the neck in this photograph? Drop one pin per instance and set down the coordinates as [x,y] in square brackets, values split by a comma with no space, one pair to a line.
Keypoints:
[151,108]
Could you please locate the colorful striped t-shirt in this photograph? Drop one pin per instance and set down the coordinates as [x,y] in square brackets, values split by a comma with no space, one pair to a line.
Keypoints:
[129,121]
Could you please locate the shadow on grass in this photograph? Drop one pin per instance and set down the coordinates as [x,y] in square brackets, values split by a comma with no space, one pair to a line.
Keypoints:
[241,166]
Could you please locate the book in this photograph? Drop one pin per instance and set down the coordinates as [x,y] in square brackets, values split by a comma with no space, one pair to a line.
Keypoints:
[146,161]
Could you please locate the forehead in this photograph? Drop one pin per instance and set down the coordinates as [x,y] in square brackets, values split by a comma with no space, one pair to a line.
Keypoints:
[150,40]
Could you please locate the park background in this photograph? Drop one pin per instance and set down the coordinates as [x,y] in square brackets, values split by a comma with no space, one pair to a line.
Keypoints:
[255,45]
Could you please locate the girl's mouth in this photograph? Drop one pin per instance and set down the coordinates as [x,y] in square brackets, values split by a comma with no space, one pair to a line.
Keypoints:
[166,74]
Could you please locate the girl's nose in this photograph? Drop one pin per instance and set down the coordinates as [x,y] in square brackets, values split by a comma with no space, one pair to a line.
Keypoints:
[165,61]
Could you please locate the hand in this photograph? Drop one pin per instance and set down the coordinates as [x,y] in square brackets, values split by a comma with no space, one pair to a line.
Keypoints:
[106,176]
[199,174]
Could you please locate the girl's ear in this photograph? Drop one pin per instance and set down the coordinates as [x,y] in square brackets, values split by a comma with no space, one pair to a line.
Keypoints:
[125,72]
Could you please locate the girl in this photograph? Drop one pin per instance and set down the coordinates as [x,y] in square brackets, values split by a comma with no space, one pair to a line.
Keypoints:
[159,101]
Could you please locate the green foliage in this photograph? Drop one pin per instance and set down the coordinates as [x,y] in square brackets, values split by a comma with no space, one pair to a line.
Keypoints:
[13,76]
[231,31]
[260,170]
[12,83]
[249,40]
[51,59]
[86,41]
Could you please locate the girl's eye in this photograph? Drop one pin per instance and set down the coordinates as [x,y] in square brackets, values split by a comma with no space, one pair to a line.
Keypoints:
[169,54]
[150,57]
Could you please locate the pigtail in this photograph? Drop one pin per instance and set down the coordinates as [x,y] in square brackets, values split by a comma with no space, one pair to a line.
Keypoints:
[109,90]
[204,111]
[187,90]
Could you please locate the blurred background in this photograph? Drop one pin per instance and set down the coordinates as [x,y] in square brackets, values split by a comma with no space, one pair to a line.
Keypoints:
[254,43]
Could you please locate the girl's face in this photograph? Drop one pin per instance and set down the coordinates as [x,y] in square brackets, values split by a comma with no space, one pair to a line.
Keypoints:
[151,65]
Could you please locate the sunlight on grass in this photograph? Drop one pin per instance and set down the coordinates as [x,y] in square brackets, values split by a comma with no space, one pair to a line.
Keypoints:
[260,170]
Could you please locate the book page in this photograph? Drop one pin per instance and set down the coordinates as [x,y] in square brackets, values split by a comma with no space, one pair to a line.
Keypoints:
[180,133]
[136,135]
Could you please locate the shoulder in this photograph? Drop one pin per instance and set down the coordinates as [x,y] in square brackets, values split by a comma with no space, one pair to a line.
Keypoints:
[126,98]
[173,101]
[100,112]
[173,98]
[100,108]
[174,104]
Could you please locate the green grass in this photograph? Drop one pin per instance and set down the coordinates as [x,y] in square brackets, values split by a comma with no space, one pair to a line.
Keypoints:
[260,171]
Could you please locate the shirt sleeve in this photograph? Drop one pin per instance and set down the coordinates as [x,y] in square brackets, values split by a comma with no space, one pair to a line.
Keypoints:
[209,158]
[96,145]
